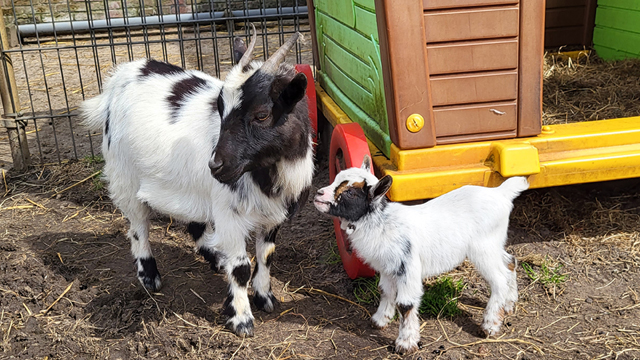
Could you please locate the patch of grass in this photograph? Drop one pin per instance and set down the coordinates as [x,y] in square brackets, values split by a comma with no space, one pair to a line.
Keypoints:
[93,160]
[97,184]
[441,298]
[366,290]
[549,276]
[333,257]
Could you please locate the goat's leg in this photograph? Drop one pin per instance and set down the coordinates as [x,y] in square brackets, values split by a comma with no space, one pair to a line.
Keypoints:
[236,307]
[225,247]
[387,307]
[512,279]
[496,272]
[408,302]
[230,242]
[138,215]
[202,234]
[265,246]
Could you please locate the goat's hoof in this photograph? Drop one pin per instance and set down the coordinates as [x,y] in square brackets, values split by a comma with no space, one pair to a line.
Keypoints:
[508,309]
[242,329]
[491,329]
[378,325]
[405,347]
[148,274]
[265,303]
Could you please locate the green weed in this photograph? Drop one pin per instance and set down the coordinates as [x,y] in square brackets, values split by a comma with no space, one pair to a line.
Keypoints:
[97,183]
[549,276]
[93,160]
[333,257]
[366,289]
[441,298]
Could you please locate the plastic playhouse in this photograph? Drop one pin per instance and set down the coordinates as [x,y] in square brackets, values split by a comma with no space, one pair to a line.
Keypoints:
[445,93]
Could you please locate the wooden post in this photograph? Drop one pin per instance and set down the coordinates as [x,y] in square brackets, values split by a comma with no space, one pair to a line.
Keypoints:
[11,105]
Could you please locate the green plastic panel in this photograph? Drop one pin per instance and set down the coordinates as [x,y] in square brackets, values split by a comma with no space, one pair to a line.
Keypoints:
[367,4]
[351,69]
[617,31]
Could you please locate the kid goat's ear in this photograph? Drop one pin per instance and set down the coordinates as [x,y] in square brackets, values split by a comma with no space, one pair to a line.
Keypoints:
[381,188]
[366,163]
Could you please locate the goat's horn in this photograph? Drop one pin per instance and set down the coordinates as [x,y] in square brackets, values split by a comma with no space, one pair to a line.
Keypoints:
[248,55]
[271,65]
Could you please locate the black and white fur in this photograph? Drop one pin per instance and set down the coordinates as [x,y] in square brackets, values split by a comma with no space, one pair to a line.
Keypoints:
[406,244]
[232,159]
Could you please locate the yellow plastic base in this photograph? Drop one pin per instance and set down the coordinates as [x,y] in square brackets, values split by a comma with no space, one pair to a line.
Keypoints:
[562,155]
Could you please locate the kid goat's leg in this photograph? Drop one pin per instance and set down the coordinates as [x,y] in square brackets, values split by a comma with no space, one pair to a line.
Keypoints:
[265,246]
[387,308]
[492,267]
[408,301]
[512,279]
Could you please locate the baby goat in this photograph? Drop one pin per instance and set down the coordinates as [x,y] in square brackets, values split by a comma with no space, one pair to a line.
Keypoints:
[406,244]
[233,159]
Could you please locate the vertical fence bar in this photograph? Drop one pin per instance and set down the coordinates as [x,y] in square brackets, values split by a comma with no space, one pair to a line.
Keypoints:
[11,106]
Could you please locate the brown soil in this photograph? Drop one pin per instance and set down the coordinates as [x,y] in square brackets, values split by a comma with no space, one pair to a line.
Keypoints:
[76,240]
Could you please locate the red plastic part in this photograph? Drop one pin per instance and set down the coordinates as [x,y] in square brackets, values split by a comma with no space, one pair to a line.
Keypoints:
[351,140]
[311,98]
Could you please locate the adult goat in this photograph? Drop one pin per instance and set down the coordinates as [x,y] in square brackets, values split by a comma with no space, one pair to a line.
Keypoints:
[233,159]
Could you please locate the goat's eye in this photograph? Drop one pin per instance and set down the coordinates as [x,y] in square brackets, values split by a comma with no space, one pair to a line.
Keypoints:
[262,116]
[349,194]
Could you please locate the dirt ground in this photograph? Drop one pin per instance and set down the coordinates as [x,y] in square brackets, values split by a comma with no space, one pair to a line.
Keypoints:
[68,288]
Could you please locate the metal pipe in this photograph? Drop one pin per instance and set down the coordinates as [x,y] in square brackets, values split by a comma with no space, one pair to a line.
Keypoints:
[65,27]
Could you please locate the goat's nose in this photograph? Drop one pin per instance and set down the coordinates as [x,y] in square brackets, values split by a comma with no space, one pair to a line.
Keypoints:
[320,192]
[215,165]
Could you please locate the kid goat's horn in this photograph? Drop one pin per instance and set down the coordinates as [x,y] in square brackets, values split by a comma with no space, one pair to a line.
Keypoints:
[271,65]
[248,55]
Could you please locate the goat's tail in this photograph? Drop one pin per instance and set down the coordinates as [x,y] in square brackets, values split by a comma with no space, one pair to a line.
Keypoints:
[94,113]
[512,187]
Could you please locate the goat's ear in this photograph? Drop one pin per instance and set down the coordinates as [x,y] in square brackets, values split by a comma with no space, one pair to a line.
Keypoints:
[381,188]
[239,48]
[294,92]
[366,163]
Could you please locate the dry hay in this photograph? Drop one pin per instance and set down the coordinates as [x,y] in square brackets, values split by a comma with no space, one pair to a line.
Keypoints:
[589,88]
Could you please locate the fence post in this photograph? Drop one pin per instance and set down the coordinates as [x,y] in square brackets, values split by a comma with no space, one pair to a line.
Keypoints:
[11,105]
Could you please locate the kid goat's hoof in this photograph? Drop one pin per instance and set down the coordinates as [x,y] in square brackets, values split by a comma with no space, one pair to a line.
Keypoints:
[377,325]
[405,349]
[491,329]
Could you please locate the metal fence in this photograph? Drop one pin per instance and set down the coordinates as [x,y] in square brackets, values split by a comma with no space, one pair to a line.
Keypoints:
[56,53]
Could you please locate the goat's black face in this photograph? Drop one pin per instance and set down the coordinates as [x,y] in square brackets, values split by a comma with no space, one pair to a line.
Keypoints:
[354,193]
[266,123]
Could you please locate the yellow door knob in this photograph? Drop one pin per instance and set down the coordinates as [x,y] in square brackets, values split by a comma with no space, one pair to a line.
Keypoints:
[415,122]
